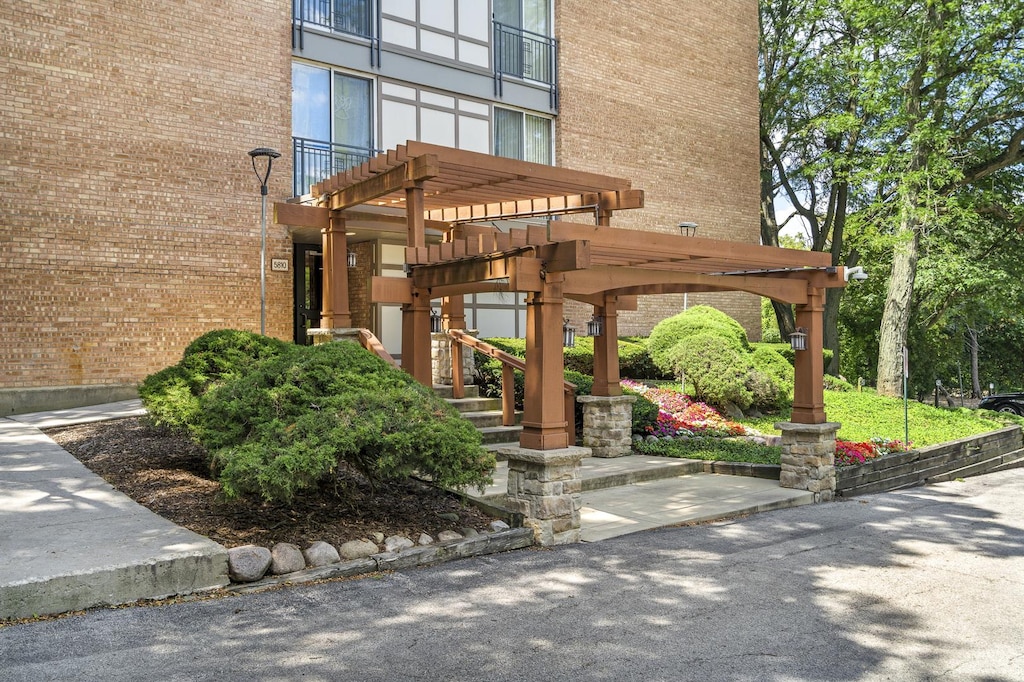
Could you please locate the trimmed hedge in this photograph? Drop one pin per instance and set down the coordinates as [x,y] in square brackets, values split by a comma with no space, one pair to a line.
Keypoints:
[700,319]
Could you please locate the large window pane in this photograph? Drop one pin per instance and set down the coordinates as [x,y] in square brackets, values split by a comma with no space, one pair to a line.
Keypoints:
[537,139]
[352,113]
[508,133]
[311,96]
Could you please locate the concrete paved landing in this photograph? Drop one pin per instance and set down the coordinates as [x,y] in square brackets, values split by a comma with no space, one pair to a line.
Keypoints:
[69,541]
[630,494]
[611,512]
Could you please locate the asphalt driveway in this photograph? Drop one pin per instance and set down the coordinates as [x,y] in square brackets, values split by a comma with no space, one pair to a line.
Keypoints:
[923,584]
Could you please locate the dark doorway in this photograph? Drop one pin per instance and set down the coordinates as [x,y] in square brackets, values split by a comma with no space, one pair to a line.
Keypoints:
[309,275]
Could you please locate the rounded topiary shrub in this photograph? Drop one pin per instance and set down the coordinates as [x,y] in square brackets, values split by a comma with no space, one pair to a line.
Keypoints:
[172,395]
[716,367]
[290,422]
[699,320]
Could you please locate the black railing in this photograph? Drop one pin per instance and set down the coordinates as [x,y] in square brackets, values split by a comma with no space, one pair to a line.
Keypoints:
[316,160]
[354,17]
[527,55]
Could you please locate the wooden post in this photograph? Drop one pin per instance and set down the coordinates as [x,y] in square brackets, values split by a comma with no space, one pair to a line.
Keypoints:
[416,338]
[809,388]
[606,351]
[458,378]
[417,236]
[544,424]
[336,313]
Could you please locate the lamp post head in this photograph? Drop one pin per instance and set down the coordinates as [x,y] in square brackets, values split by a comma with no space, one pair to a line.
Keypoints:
[268,154]
[688,229]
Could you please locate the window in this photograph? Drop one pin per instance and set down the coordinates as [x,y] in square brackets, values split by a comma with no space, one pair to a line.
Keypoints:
[518,135]
[332,123]
[522,39]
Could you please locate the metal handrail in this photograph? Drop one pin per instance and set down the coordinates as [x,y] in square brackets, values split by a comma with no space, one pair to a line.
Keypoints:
[509,363]
[525,54]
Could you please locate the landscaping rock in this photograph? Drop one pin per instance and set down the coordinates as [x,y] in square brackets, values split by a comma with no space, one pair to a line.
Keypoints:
[448,517]
[448,535]
[286,558]
[378,538]
[425,539]
[498,526]
[732,411]
[358,549]
[396,543]
[248,563]
[469,533]
[320,554]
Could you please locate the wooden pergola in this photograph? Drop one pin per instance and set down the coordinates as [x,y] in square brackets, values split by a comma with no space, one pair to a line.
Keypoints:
[464,192]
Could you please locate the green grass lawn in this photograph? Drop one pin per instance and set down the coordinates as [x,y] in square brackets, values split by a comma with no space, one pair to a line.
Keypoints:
[865,415]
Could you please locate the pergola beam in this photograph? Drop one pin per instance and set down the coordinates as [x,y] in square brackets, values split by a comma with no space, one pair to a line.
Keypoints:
[634,281]
[416,169]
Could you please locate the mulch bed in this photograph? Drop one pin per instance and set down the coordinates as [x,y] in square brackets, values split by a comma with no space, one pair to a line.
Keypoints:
[168,474]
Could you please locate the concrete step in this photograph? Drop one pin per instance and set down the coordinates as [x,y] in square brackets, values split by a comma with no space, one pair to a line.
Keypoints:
[500,434]
[445,391]
[488,418]
[475,404]
[599,474]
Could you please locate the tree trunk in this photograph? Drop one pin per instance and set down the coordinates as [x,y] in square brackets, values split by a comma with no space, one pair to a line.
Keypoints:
[892,335]
[831,328]
[972,338]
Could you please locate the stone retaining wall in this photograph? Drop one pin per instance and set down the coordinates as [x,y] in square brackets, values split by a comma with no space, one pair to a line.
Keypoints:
[982,453]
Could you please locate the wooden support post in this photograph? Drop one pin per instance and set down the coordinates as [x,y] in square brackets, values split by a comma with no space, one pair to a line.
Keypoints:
[417,236]
[453,312]
[508,395]
[416,338]
[809,389]
[606,351]
[544,424]
[336,313]
[458,376]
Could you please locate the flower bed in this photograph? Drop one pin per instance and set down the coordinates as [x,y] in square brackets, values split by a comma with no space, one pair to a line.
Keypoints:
[679,414]
[849,453]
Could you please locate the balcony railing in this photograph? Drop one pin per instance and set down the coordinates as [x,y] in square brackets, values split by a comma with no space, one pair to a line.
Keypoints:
[527,55]
[316,160]
[354,17]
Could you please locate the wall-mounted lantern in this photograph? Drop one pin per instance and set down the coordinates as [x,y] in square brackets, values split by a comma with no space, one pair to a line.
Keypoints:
[435,322]
[352,259]
[568,335]
[595,326]
[798,339]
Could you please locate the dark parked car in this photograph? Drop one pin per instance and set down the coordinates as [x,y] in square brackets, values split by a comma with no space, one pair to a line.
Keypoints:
[1004,402]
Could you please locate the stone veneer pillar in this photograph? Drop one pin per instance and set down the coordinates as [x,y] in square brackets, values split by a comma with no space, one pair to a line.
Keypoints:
[320,335]
[441,359]
[546,487]
[808,458]
[608,424]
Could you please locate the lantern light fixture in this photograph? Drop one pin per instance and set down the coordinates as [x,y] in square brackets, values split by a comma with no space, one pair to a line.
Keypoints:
[352,259]
[435,322]
[595,326]
[688,229]
[568,335]
[798,339]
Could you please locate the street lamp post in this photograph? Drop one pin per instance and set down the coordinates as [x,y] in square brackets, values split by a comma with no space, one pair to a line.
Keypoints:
[268,154]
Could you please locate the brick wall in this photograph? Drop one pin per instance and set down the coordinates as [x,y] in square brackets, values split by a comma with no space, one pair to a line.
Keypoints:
[130,213]
[665,94]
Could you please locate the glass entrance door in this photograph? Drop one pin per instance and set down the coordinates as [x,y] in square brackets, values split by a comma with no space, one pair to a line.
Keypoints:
[309,277]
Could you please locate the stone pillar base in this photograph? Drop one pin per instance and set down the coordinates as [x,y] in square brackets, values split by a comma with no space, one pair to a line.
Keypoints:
[546,487]
[808,458]
[441,359]
[320,335]
[608,424]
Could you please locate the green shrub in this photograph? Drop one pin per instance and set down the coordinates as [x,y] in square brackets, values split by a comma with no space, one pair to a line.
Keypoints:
[172,395]
[645,412]
[703,320]
[712,449]
[786,351]
[716,368]
[291,420]
[769,363]
[635,361]
[834,383]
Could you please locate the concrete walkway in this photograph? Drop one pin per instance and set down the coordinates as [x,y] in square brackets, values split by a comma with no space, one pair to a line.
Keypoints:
[69,541]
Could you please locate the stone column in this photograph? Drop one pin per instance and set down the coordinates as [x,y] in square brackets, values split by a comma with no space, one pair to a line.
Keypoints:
[545,486]
[608,424]
[441,359]
[808,458]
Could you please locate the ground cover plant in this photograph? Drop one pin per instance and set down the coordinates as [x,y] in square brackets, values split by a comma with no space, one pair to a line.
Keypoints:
[865,415]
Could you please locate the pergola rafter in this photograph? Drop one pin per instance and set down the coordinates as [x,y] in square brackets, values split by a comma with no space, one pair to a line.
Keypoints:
[607,267]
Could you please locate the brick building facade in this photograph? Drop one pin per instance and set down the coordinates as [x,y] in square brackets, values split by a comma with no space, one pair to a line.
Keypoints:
[129,213]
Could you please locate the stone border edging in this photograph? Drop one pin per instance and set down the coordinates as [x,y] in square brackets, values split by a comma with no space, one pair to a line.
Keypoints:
[480,545]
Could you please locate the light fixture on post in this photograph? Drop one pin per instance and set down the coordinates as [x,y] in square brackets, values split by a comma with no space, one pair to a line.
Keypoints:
[351,259]
[798,339]
[269,155]
[568,335]
[435,322]
[595,326]
[688,229]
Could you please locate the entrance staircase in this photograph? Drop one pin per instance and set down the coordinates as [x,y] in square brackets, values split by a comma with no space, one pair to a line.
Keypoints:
[485,415]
